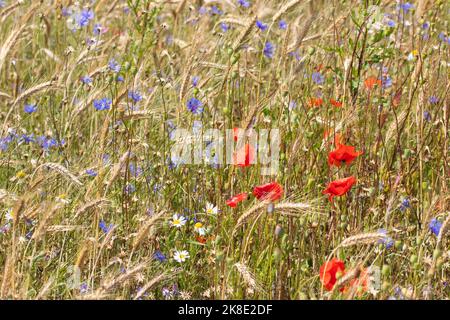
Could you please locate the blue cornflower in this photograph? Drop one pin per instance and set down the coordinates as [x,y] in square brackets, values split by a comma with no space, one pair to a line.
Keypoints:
[433,100]
[268,50]
[30,108]
[386,81]
[427,116]
[405,204]
[195,106]
[158,255]
[135,96]
[46,143]
[282,25]
[2,4]
[244,3]
[135,171]
[261,25]
[435,226]
[28,138]
[391,23]
[114,66]
[86,79]
[224,27]
[406,7]
[102,225]
[292,105]
[318,78]
[195,81]
[202,10]
[387,241]
[216,10]
[425,25]
[442,37]
[84,288]
[102,104]
[84,17]
[120,79]
[91,172]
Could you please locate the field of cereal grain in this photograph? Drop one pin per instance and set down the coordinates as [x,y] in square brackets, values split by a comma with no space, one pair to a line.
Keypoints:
[114,185]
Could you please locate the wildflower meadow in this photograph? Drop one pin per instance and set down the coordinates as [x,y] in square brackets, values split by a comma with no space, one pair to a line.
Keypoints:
[232,149]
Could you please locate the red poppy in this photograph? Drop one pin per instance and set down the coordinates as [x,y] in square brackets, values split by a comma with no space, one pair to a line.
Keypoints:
[330,271]
[370,82]
[336,103]
[233,201]
[245,156]
[343,154]
[270,191]
[315,102]
[339,187]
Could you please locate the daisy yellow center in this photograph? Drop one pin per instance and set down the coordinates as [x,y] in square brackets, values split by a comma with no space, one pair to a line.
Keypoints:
[176,221]
[198,225]
[209,210]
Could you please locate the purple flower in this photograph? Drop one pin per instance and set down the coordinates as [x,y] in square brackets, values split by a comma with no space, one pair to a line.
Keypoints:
[427,116]
[433,100]
[135,96]
[30,108]
[102,225]
[405,204]
[391,23]
[292,105]
[318,78]
[216,11]
[91,172]
[244,3]
[102,104]
[442,37]
[158,255]
[282,25]
[28,138]
[435,226]
[2,4]
[225,27]
[268,50]
[86,79]
[261,25]
[195,81]
[195,106]
[114,66]
[387,241]
[84,17]
[386,81]
[406,6]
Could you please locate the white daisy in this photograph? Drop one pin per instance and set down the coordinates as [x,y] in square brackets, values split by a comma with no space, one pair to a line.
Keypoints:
[211,209]
[181,256]
[178,221]
[199,228]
